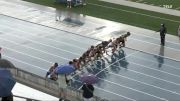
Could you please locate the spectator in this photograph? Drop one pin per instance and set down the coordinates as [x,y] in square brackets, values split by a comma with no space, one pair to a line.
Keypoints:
[50,74]
[6,65]
[63,81]
[88,90]
[69,3]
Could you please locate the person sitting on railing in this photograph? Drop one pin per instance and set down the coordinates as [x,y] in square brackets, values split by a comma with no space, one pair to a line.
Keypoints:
[50,74]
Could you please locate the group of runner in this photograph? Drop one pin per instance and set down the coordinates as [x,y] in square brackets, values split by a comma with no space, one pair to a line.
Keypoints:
[95,52]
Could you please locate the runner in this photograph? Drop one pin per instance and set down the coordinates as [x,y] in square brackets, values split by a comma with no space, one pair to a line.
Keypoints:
[105,44]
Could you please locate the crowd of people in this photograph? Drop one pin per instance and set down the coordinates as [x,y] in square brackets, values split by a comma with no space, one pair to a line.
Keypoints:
[93,53]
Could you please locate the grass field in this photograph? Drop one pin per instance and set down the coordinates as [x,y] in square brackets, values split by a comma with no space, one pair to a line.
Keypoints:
[136,17]
[173,4]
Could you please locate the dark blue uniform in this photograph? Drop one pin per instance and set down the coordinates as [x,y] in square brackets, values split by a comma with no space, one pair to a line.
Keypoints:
[163,32]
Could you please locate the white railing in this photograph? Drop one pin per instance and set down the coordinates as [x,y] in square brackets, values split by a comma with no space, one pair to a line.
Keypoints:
[48,86]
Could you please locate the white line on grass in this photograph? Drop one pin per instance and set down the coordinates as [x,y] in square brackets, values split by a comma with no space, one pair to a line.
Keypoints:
[135,12]
[177,8]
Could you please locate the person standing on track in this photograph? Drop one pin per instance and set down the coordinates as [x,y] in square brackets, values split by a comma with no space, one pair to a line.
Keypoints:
[163,31]
[0,52]
[178,32]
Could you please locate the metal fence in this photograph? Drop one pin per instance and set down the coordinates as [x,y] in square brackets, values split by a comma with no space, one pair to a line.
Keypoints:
[48,86]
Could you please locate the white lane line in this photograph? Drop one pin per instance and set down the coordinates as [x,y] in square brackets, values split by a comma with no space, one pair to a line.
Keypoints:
[153,44]
[27,55]
[157,44]
[153,77]
[130,38]
[48,12]
[134,12]
[115,93]
[173,92]
[156,62]
[49,33]
[117,61]
[135,90]
[155,38]
[149,75]
[36,42]
[109,92]
[139,40]
[25,63]
[141,50]
[168,73]
[34,49]
[154,69]
[143,82]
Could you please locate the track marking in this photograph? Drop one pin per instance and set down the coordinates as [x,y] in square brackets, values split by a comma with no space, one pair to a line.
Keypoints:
[156,62]
[154,44]
[110,92]
[34,49]
[26,63]
[143,82]
[148,75]
[156,38]
[43,44]
[155,69]
[30,34]
[116,62]
[28,55]
[135,90]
